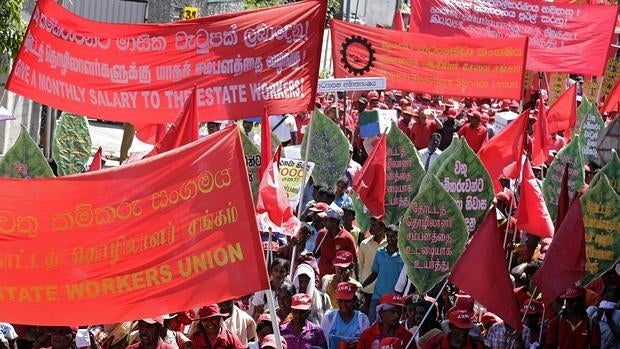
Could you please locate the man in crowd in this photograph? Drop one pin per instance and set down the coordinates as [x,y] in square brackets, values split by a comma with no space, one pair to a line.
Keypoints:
[389,310]
[429,154]
[343,262]
[475,134]
[426,123]
[367,251]
[149,333]
[572,328]
[332,239]
[300,333]
[238,321]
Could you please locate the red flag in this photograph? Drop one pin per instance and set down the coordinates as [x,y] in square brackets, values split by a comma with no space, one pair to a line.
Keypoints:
[272,197]
[370,181]
[504,149]
[265,144]
[532,213]
[398,23]
[482,272]
[95,165]
[565,261]
[563,200]
[150,133]
[542,139]
[563,112]
[612,102]
[184,130]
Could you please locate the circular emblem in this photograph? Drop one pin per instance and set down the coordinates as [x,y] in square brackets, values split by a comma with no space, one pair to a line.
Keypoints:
[357,55]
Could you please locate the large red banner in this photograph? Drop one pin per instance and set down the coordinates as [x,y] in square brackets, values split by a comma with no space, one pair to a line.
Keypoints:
[423,63]
[154,237]
[241,63]
[568,38]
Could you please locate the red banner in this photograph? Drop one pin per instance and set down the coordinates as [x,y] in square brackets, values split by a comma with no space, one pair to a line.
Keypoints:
[149,238]
[424,63]
[568,38]
[241,63]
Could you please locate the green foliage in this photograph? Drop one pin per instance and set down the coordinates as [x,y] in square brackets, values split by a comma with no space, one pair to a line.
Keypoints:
[254,4]
[12,28]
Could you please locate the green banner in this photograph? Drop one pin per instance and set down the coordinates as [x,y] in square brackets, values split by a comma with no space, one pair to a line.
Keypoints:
[404,174]
[72,144]
[24,159]
[456,141]
[252,162]
[466,179]
[569,155]
[362,215]
[329,150]
[612,171]
[601,220]
[582,110]
[432,235]
[590,128]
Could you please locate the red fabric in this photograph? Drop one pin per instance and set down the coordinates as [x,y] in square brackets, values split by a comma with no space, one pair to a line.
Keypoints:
[418,62]
[328,247]
[155,229]
[370,181]
[544,53]
[224,340]
[563,112]
[95,165]
[475,137]
[184,130]
[373,333]
[272,197]
[504,148]
[565,261]
[542,140]
[404,126]
[532,213]
[563,200]
[265,144]
[613,99]
[482,272]
[241,62]
[421,134]
[398,23]
[150,133]
[567,338]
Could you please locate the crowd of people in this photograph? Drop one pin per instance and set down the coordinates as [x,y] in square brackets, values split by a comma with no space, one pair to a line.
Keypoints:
[348,288]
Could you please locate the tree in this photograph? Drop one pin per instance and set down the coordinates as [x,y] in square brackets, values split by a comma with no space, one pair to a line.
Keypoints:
[12,28]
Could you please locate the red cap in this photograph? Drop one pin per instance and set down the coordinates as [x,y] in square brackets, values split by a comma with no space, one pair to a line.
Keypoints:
[346,291]
[452,113]
[533,307]
[319,207]
[265,318]
[343,259]
[408,111]
[574,292]
[269,341]
[506,103]
[474,115]
[426,96]
[301,301]
[208,311]
[373,96]
[460,319]
[153,320]
[403,102]
[390,343]
[392,299]
[507,197]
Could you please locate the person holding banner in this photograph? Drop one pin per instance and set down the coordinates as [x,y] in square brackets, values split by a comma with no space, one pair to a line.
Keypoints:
[149,331]
[209,331]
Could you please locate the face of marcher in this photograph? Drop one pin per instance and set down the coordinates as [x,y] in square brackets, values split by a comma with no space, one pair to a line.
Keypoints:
[346,307]
[212,325]
[61,337]
[392,238]
[419,313]
[474,122]
[331,224]
[278,273]
[575,305]
[457,336]
[284,300]
[226,307]
[149,333]
[343,273]
[300,316]
[304,281]
[248,126]
[391,316]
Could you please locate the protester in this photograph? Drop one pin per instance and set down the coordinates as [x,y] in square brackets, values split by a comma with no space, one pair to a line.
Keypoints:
[264,327]
[248,129]
[428,331]
[533,311]
[149,333]
[278,270]
[367,251]
[404,124]
[429,154]
[209,331]
[238,321]
[458,337]
[572,328]
[388,312]
[332,239]
[270,342]
[305,282]
[300,333]
[426,123]
[341,197]
[344,324]
[348,218]
[343,263]
[606,313]
[385,269]
[284,127]
[474,133]
[285,296]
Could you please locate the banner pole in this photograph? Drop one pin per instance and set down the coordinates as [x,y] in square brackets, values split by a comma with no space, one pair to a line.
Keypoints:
[417,331]
[542,319]
[274,319]
[301,195]
[600,88]
[529,303]
[508,225]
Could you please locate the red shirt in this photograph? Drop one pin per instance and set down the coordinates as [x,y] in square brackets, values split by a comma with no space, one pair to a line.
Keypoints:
[574,338]
[330,245]
[160,345]
[469,343]
[224,340]
[404,126]
[373,333]
[475,137]
[421,133]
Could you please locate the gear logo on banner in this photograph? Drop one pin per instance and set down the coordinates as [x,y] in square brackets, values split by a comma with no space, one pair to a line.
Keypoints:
[358,55]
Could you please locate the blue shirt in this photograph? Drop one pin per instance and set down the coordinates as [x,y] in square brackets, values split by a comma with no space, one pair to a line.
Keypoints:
[342,200]
[388,269]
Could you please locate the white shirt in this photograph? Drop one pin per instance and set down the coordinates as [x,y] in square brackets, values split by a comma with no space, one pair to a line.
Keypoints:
[425,154]
[284,129]
[241,324]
